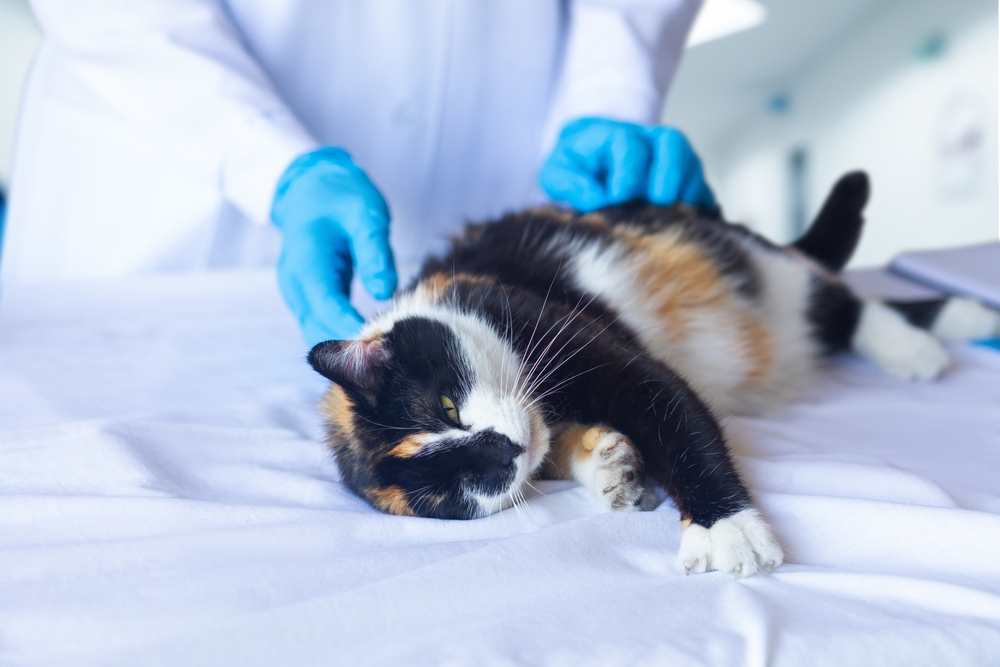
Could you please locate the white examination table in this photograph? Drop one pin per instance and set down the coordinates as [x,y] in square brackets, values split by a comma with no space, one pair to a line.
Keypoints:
[165,499]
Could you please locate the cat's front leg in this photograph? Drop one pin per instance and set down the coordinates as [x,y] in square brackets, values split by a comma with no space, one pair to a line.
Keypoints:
[602,460]
[683,449]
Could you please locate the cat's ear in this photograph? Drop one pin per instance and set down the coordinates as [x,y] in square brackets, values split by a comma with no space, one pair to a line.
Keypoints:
[356,365]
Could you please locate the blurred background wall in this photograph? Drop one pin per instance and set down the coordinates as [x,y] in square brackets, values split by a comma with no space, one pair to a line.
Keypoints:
[18,39]
[905,89]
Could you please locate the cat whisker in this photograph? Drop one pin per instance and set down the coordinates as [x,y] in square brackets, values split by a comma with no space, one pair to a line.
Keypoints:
[423,495]
[562,383]
[563,322]
[520,505]
[567,358]
[411,429]
[529,348]
[576,312]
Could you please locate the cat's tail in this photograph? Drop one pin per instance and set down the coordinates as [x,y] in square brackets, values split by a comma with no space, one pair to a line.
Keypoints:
[834,234]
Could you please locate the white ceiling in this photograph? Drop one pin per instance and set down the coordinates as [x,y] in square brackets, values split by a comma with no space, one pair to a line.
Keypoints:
[722,83]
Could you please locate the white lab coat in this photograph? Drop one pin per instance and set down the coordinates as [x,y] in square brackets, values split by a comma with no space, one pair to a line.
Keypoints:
[152,132]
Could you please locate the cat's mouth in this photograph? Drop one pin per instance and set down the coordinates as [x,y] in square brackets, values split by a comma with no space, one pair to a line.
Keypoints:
[535,448]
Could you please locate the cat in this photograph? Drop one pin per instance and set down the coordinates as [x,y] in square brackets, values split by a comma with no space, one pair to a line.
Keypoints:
[602,348]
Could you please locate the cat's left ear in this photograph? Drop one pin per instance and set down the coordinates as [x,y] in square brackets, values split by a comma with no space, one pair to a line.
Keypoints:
[356,365]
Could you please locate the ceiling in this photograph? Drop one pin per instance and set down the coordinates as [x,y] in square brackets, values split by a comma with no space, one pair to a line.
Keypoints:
[720,84]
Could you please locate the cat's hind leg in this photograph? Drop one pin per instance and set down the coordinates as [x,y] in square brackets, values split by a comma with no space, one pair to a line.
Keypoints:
[903,338]
[881,334]
[950,319]
[887,339]
[602,460]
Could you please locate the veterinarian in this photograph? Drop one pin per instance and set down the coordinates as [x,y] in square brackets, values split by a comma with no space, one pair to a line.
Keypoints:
[167,134]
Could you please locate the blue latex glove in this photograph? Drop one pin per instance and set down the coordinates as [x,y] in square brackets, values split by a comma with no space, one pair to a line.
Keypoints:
[598,162]
[333,219]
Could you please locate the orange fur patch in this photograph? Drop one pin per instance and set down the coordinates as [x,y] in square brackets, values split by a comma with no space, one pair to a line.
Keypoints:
[562,215]
[759,348]
[596,219]
[407,448]
[337,407]
[391,499]
[589,439]
[677,276]
[436,287]
[573,442]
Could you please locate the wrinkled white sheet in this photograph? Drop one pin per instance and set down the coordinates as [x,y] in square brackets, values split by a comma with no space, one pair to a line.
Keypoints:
[165,500]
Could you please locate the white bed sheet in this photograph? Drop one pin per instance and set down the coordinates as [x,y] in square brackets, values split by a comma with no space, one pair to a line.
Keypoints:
[165,499]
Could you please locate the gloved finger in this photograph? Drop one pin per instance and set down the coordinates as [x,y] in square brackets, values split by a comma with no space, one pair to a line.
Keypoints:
[315,330]
[627,156]
[673,165]
[314,274]
[566,178]
[373,255]
[696,192]
[318,326]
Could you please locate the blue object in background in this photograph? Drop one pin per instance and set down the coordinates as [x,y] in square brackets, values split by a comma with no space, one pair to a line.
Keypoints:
[779,104]
[989,342]
[933,46]
[598,162]
[333,220]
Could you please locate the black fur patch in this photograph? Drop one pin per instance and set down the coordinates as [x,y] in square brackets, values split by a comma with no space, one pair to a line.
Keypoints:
[834,234]
[921,314]
[834,312]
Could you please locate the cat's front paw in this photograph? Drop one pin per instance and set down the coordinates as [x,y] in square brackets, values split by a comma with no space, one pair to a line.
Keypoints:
[742,544]
[617,472]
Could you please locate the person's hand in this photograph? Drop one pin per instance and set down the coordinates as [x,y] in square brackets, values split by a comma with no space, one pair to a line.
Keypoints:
[597,162]
[333,220]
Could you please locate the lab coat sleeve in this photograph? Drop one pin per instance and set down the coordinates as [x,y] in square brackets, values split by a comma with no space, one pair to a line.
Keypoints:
[619,59]
[178,71]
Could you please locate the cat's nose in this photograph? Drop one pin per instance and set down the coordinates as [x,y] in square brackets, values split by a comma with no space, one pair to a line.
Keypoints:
[511,452]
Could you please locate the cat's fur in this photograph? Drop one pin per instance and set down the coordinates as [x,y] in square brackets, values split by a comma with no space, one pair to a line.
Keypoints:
[602,348]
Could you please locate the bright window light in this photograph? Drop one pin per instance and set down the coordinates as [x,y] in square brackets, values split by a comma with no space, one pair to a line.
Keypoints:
[720,18]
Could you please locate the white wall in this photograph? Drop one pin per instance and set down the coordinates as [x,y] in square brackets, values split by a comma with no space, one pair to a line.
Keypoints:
[19,37]
[871,103]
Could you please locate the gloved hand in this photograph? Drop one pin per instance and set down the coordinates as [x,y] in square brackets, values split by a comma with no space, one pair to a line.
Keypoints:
[333,219]
[597,162]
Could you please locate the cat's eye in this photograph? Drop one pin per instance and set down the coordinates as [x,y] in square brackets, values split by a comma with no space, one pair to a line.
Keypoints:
[449,408]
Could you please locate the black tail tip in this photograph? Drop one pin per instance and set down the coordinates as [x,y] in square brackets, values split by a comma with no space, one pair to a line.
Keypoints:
[836,231]
[852,190]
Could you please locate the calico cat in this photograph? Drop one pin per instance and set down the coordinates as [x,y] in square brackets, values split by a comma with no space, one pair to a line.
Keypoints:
[601,348]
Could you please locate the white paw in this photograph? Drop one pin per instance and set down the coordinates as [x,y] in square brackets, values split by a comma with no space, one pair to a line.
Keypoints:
[614,471]
[900,349]
[965,319]
[920,357]
[742,544]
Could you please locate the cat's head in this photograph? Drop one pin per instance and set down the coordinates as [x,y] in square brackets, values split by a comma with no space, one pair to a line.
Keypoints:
[428,416]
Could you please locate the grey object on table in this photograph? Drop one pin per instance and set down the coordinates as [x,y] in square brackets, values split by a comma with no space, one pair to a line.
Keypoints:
[879,283]
[970,270]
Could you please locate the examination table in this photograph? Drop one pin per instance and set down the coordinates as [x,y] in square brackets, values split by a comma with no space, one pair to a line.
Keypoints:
[166,499]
